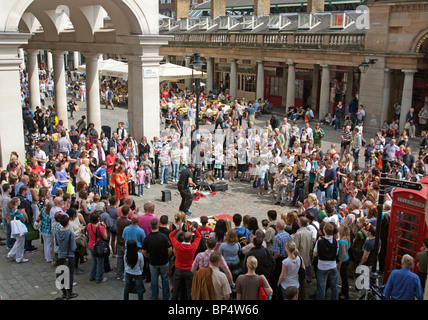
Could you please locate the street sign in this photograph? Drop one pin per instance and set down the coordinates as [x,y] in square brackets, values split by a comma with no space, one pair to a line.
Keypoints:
[401,184]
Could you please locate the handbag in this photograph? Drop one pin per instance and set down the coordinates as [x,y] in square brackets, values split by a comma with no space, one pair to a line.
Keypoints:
[70,188]
[262,292]
[55,185]
[256,183]
[101,247]
[17,228]
[302,271]
[32,234]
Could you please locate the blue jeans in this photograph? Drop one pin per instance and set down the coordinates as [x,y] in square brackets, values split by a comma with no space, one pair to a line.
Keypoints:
[155,272]
[120,267]
[164,174]
[9,240]
[298,195]
[97,268]
[322,277]
[218,171]
[138,284]
[174,167]
[141,189]
[329,191]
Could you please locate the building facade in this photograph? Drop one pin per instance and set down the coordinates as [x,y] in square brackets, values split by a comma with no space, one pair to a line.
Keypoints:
[314,58]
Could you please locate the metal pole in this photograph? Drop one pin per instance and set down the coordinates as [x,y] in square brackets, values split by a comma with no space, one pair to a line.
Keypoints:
[382,191]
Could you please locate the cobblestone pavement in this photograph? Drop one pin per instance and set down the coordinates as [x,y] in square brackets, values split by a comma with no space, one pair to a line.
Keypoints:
[35,280]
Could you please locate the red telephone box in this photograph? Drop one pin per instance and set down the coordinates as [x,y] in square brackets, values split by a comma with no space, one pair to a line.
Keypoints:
[407,228]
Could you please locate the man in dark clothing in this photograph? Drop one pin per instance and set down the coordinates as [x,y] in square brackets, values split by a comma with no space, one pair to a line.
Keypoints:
[157,247]
[330,178]
[339,114]
[186,178]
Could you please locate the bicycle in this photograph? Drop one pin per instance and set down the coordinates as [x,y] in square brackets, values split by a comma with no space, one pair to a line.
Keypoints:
[375,291]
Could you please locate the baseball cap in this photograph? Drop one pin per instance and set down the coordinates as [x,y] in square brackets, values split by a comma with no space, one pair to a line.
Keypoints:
[343,206]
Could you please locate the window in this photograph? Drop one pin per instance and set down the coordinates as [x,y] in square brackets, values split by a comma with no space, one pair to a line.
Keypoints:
[247,82]
[307,21]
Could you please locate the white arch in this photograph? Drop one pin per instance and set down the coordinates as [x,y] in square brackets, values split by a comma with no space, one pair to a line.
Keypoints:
[128,16]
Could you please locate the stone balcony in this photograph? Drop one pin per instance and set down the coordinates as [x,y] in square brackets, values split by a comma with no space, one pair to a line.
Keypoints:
[322,31]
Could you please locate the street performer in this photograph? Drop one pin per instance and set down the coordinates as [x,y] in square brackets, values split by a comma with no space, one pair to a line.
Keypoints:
[186,179]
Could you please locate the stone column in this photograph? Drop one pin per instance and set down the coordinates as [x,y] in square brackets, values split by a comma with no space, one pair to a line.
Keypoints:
[188,82]
[93,112]
[386,95]
[60,86]
[314,93]
[11,126]
[349,86]
[210,75]
[50,62]
[181,9]
[233,91]
[143,85]
[33,78]
[291,84]
[76,59]
[260,83]
[325,91]
[407,96]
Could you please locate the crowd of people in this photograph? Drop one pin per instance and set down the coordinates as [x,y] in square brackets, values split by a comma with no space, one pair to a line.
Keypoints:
[75,188]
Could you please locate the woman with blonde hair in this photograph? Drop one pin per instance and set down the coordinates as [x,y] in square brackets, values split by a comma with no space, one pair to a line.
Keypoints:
[313,200]
[247,285]
[289,276]
[179,221]
[342,265]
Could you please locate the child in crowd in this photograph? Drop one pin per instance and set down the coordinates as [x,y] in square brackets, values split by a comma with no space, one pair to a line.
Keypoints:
[148,169]
[100,175]
[96,199]
[204,230]
[141,177]
[290,185]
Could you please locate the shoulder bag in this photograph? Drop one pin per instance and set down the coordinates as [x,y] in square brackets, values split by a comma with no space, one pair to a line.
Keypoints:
[101,247]
[262,292]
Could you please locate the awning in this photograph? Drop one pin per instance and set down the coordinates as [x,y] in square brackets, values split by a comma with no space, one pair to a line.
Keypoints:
[167,71]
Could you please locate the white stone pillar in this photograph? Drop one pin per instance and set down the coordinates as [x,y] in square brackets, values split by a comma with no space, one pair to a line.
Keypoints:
[21,56]
[50,61]
[325,91]
[11,133]
[93,112]
[60,86]
[33,78]
[260,85]
[407,96]
[210,75]
[233,91]
[386,95]
[76,59]
[315,83]
[143,85]
[188,82]
[130,97]
[291,84]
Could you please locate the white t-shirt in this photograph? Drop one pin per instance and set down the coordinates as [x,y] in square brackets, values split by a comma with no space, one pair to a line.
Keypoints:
[292,276]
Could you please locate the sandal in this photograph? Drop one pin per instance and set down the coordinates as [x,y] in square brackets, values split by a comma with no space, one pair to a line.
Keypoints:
[84,260]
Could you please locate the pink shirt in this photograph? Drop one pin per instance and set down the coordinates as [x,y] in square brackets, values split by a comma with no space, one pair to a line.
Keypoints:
[144,222]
